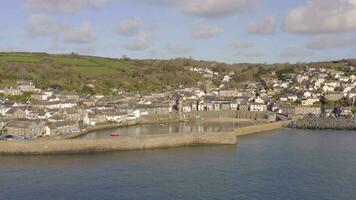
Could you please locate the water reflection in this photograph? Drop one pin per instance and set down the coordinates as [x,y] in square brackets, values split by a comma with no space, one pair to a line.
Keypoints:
[183,127]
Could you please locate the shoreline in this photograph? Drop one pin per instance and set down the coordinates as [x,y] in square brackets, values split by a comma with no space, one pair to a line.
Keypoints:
[324,123]
[130,143]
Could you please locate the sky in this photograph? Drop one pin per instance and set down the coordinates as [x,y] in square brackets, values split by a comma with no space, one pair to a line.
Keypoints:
[232,31]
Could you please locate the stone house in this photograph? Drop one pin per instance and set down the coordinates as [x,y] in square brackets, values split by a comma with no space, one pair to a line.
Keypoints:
[286,110]
[62,128]
[70,114]
[39,96]
[244,106]
[15,113]
[4,109]
[303,110]
[201,106]
[154,109]
[116,116]
[26,86]
[12,91]
[68,96]
[26,128]
[228,93]
[217,106]
[225,106]
[334,96]
[209,106]
[310,101]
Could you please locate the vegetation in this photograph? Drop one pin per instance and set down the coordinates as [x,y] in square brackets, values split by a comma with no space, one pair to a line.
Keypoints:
[20,98]
[75,72]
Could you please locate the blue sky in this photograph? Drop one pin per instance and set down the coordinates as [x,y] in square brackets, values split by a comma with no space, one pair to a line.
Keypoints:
[230,31]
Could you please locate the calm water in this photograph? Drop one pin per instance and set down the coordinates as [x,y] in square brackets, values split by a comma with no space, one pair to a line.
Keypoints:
[186,127]
[284,165]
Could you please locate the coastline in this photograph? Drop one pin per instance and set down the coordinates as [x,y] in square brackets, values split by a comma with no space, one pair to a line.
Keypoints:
[129,143]
[324,123]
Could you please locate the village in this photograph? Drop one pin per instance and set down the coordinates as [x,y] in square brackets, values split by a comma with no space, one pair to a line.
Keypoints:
[53,112]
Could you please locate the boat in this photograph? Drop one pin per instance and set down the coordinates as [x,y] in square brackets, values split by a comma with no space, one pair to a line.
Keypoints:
[115,134]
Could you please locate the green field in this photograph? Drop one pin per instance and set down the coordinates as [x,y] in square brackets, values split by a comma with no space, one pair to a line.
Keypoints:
[87,61]
[20,58]
[66,60]
[83,64]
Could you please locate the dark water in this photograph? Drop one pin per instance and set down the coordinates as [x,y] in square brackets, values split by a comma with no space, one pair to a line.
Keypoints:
[186,127]
[284,165]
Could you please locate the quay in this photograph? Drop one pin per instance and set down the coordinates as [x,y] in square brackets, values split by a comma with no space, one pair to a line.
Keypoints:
[129,143]
[74,146]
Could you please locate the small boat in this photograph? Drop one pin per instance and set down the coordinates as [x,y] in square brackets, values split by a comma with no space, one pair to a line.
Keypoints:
[115,134]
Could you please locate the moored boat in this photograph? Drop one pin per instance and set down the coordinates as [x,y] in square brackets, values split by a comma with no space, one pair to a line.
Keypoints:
[115,134]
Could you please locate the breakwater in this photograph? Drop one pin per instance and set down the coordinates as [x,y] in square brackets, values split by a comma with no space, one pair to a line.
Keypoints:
[261,128]
[322,123]
[54,147]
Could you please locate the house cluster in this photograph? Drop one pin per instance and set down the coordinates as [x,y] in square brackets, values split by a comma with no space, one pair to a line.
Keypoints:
[314,91]
[53,113]
[211,74]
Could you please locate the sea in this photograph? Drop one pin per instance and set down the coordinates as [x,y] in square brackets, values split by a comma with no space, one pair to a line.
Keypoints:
[287,164]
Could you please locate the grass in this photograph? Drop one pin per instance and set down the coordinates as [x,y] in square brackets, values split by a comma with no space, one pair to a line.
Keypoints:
[20,58]
[335,65]
[83,64]
[67,60]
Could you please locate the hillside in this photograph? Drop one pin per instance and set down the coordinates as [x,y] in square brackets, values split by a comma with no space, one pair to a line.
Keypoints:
[72,71]
[81,73]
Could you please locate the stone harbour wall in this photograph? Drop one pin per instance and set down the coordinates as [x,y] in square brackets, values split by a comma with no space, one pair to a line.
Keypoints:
[261,128]
[48,147]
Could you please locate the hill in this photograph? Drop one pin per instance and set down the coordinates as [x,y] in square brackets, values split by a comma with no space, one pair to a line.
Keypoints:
[81,73]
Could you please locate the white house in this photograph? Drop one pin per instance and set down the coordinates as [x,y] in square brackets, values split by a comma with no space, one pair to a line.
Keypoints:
[310,101]
[307,94]
[258,107]
[327,88]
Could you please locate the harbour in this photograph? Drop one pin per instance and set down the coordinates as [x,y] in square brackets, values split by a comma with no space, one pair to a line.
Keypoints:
[275,165]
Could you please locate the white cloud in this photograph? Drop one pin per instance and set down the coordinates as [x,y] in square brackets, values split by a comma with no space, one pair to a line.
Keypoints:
[297,53]
[217,8]
[62,6]
[130,27]
[78,35]
[143,36]
[208,8]
[331,41]
[42,25]
[263,27]
[142,42]
[322,16]
[178,49]
[203,30]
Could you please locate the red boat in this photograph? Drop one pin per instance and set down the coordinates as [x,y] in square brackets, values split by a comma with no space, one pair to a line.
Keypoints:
[115,134]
